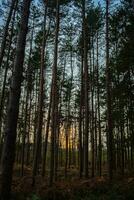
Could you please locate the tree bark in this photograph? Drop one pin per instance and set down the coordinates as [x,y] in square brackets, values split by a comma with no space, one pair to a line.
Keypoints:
[46,138]
[98,109]
[54,97]
[40,104]
[85,65]
[3,44]
[2,100]
[109,103]
[80,122]
[13,107]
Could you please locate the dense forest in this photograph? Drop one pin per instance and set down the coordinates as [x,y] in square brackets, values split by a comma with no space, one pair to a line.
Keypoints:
[67,99]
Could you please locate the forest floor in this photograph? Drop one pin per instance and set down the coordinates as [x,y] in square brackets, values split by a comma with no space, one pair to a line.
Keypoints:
[72,188]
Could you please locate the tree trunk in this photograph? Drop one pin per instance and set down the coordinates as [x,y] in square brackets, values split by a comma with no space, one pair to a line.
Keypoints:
[98,108]
[108,89]
[54,97]
[46,137]
[80,123]
[40,104]
[13,107]
[2,100]
[85,65]
[66,135]
[3,44]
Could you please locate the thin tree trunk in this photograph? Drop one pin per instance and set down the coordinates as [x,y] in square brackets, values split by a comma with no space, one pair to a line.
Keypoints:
[40,104]
[24,135]
[28,80]
[80,122]
[85,65]
[54,97]
[98,108]
[109,103]
[66,135]
[46,137]
[92,113]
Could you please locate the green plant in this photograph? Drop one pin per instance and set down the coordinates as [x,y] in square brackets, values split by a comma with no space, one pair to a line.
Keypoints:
[35,197]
